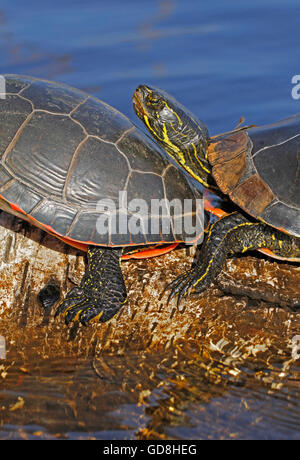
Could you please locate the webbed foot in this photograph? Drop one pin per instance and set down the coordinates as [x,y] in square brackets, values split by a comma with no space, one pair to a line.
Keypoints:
[102,291]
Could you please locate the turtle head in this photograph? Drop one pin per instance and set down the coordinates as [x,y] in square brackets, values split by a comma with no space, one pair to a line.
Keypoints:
[176,129]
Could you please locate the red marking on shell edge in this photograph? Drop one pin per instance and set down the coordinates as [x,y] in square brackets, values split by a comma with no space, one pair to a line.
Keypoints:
[83,246]
[215,211]
[270,253]
[283,230]
[143,253]
[15,207]
[152,252]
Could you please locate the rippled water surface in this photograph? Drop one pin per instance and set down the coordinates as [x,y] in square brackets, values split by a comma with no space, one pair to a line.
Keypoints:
[222,60]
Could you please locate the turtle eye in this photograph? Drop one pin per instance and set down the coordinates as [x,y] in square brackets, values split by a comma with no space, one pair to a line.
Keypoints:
[153,100]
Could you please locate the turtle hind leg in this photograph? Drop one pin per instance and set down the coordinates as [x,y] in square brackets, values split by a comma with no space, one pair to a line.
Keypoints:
[102,290]
[231,234]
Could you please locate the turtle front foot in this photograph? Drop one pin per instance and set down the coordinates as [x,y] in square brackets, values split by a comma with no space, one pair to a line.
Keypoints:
[212,255]
[80,305]
[102,291]
[231,234]
[224,237]
[193,281]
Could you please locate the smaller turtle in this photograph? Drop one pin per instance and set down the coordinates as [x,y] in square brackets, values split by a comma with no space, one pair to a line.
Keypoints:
[258,168]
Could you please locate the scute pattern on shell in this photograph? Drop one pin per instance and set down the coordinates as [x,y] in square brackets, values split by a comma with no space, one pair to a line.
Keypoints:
[260,171]
[62,151]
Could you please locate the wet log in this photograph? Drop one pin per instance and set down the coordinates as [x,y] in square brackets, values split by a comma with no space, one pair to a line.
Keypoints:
[30,260]
[155,357]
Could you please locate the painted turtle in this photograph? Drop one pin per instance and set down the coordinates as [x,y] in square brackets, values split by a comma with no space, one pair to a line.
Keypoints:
[258,168]
[79,169]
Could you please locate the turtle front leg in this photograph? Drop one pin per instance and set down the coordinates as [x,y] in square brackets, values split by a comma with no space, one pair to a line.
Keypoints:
[102,289]
[230,235]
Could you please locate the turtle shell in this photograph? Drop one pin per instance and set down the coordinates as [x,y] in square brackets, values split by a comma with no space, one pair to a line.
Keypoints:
[260,171]
[78,168]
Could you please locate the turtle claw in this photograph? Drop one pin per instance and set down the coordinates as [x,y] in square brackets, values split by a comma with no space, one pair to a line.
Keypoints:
[80,306]
[102,291]
[75,312]
[178,288]
[180,296]
[189,283]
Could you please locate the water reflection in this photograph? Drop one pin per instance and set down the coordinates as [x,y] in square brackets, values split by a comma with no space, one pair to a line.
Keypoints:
[182,393]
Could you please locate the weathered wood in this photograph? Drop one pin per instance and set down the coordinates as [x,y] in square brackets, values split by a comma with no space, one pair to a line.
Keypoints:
[153,355]
[30,259]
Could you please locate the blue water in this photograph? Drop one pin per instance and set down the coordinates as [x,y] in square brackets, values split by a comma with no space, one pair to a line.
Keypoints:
[222,59]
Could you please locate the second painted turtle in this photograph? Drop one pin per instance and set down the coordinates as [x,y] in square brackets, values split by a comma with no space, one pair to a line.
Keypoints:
[258,168]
